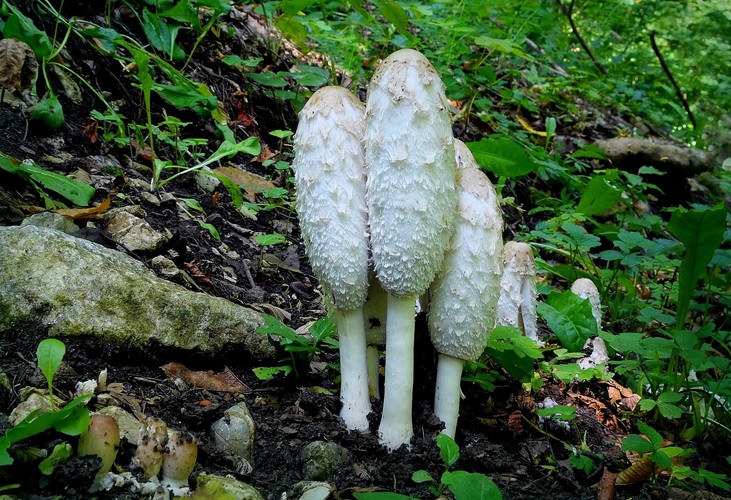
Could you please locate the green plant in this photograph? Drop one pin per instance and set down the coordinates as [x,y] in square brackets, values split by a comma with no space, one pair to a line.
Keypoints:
[71,420]
[463,485]
[301,348]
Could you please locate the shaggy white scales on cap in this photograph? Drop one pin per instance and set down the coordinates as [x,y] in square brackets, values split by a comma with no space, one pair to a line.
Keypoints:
[329,169]
[464,296]
[586,289]
[412,200]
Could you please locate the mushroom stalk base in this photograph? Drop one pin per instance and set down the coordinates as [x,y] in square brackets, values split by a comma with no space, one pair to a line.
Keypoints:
[447,394]
[353,371]
[396,427]
[373,373]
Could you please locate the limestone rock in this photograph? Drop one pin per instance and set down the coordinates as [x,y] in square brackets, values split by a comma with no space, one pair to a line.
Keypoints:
[51,220]
[321,458]
[69,286]
[133,232]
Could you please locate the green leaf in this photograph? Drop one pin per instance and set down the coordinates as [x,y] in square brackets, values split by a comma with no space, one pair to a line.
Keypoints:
[448,449]
[59,454]
[49,112]
[35,424]
[194,204]
[471,486]
[238,61]
[560,412]
[637,443]
[599,197]
[505,46]
[589,151]
[268,79]
[281,134]
[513,351]
[270,239]
[294,7]
[569,317]
[422,476]
[50,354]
[271,372]
[502,156]
[77,192]
[654,436]
[701,232]
[22,28]
[293,29]
[211,229]
[396,15]
[196,97]
[162,35]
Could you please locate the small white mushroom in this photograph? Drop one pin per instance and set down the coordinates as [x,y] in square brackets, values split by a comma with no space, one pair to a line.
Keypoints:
[329,168]
[517,303]
[101,438]
[152,441]
[464,296]
[586,289]
[412,201]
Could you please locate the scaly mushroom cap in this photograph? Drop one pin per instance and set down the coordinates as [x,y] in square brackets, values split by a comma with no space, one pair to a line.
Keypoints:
[464,295]
[516,306]
[329,169]
[412,195]
[586,289]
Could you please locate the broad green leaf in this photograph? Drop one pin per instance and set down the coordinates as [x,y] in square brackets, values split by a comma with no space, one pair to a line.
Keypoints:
[211,229]
[654,436]
[183,12]
[396,15]
[589,151]
[22,28]
[187,96]
[422,476]
[162,35]
[106,36]
[75,191]
[194,204]
[662,459]
[637,443]
[293,29]
[599,196]
[502,156]
[569,317]
[701,232]
[268,79]
[513,351]
[49,112]
[50,353]
[271,372]
[471,486]
[448,449]
[281,134]
[294,7]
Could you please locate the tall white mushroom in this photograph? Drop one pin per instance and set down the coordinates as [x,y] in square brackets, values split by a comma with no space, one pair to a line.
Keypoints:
[412,202]
[464,296]
[329,168]
[517,304]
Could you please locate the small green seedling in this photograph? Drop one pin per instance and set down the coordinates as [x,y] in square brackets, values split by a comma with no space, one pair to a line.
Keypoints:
[463,485]
[50,353]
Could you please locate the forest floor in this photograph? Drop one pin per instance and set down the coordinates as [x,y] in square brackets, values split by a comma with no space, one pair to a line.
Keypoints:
[499,433]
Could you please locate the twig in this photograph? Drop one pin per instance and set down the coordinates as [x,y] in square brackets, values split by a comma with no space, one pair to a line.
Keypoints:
[676,87]
[567,10]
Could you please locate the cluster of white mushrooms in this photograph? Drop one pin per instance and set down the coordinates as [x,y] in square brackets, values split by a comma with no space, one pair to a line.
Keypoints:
[392,207]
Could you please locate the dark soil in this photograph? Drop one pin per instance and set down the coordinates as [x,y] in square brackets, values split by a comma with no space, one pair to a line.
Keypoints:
[496,432]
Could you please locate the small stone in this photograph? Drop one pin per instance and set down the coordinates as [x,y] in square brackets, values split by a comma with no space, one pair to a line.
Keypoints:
[234,432]
[321,458]
[312,490]
[206,181]
[133,232]
[51,220]
[150,198]
[33,399]
[165,267]
[129,426]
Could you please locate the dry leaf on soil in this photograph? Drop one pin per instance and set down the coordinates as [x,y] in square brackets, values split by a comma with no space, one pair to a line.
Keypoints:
[224,381]
[618,393]
[86,213]
[18,65]
[250,183]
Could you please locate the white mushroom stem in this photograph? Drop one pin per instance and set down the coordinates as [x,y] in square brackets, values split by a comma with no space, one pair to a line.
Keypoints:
[446,399]
[396,427]
[353,389]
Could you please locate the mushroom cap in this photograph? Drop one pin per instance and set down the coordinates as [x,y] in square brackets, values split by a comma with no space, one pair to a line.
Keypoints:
[464,295]
[586,289]
[412,194]
[516,306]
[329,170]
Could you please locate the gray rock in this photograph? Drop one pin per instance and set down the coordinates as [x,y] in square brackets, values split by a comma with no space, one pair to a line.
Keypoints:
[71,286]
[234,432]
[214,486]
[131,231]
[51,220]
[321,458]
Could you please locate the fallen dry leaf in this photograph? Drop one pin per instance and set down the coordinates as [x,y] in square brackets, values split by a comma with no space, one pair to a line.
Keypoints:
[618,393]
[607,486]
[86,213]
[602,412]
[250,183]
[639,471]
[224,381]
[18,65]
